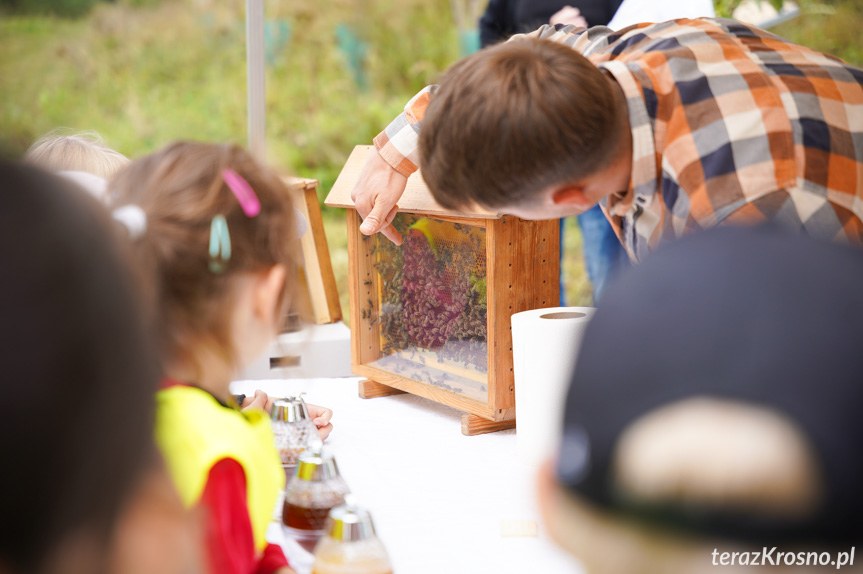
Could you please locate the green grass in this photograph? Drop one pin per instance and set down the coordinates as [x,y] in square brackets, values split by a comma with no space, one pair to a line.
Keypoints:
[829,26]
[143,73]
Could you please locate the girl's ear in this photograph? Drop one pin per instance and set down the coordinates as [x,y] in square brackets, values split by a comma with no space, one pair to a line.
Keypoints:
[268,293]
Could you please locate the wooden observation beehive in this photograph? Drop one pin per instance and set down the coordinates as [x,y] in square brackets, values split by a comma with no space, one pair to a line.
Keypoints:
[432,317]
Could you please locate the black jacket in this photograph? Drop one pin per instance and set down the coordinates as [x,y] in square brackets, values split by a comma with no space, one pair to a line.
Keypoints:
[503,18]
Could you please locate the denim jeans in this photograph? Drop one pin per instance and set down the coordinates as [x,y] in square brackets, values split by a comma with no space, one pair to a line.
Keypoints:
[603,253]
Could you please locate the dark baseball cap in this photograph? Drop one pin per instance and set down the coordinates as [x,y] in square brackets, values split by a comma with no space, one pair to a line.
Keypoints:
[754,315]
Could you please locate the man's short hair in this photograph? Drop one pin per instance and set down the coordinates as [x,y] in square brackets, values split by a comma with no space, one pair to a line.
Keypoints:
[514,119]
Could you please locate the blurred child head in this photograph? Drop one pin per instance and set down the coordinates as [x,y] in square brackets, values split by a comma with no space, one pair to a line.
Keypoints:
[715,406]
[211,310]
[81,152]
[79,375]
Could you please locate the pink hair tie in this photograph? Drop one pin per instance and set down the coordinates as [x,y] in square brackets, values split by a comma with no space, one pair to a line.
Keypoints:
[249,202]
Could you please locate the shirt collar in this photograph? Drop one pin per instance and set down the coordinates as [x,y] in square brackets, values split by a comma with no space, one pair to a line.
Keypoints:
[643,181]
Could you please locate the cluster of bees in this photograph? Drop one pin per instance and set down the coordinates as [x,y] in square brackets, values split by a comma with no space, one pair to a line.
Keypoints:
[432,296]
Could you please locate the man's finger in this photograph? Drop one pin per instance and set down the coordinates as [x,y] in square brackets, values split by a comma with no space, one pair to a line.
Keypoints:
[390,233]
[392,214]
[371,224]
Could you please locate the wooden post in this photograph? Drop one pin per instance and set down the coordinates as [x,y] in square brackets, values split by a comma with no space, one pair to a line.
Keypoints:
[320,279]
[256,79]
[516,249]
[363,286]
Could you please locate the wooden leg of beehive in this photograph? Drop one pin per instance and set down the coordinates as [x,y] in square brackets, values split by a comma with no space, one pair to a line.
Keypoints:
[473,425]
[372,390]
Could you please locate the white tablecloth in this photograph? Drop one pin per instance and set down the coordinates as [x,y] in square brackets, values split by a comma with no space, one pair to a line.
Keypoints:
[437,498]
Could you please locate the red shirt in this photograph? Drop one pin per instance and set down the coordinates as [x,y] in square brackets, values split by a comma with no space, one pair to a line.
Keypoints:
[229,540]
[230,546]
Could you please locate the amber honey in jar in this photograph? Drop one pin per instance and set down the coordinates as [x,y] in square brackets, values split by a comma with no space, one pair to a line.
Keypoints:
[314,490]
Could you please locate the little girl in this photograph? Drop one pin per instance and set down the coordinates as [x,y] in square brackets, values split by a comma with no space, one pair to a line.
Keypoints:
[216,233]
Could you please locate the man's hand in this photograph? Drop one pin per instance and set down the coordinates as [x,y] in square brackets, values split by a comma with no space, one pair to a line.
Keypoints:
[321,417]
[568,16]
[375,195]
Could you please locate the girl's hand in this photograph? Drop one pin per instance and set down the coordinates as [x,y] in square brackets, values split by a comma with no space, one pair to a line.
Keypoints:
[321,417]
[259,401]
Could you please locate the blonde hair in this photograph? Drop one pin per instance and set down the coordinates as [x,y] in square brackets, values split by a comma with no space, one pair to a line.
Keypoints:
[59,151]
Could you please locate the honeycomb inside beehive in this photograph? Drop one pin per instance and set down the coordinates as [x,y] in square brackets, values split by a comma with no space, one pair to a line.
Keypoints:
[432,305]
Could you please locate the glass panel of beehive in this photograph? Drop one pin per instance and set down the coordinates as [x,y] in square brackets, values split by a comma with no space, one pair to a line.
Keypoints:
[432,305]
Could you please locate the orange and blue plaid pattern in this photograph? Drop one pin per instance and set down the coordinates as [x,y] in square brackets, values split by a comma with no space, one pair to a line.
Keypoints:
[730,124]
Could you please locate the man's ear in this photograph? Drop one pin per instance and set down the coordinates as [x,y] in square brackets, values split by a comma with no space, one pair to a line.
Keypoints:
[572,195]
[268,292]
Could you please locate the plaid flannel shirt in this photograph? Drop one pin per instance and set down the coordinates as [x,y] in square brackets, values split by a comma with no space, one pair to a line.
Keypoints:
[730,124]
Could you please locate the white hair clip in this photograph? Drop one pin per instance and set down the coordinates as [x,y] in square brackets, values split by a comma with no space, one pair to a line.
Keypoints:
[302,224]
[133,218]
[95,185]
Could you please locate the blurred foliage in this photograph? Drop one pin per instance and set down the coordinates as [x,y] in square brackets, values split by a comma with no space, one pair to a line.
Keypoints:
[830,26]
[143,76]
[145,72]
[63,8]
[725,8]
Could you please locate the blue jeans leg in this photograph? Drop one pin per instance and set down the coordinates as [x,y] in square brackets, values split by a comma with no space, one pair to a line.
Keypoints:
[603,253]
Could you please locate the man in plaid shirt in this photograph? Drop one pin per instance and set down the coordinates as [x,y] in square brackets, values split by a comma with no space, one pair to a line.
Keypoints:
[670,127]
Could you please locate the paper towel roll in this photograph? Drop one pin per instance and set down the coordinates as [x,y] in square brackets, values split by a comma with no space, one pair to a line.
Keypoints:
[545,345]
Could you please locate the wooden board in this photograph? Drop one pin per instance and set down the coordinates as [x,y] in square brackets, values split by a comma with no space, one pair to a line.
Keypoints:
[417,198]
[425,390]
[523,273]
[372,390]
[323,294]
[472,425]
[363,287]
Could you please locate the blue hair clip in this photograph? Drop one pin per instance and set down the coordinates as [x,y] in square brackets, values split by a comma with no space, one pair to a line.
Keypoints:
[220,244]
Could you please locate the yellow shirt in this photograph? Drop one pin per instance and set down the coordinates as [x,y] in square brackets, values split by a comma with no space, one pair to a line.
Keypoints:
[194,432]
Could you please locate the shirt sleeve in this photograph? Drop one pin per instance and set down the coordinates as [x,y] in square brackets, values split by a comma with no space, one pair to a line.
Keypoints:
[229,540]
[398,143]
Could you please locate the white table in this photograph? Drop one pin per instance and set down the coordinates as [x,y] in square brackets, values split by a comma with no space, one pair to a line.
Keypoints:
[437,498]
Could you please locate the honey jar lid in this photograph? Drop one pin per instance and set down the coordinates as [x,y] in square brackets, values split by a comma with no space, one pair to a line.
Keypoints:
[316,465]
[350,523]
[290,409]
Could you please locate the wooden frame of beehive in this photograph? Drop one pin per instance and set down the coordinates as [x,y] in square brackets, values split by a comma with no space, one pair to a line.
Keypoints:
[321,295]
[440,329]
